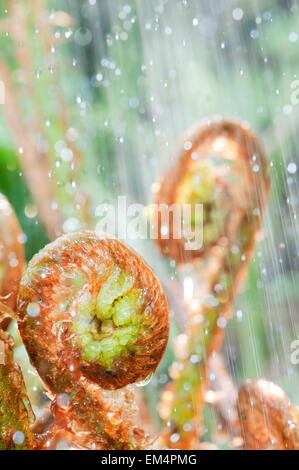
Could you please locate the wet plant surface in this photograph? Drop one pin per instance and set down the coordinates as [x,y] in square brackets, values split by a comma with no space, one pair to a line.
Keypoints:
[148,102]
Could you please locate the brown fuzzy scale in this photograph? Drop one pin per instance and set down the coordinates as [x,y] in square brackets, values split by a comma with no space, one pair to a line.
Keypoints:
[12,256]
[48,336]
[241,144]
[268,420]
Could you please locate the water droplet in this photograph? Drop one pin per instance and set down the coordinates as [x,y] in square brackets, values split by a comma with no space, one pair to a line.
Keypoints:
[239,315]
[287,109]
[292,168]
[293,37]
[146,381]
[187,145]
[68,34]
[174,437]
[30,211]
[33,309]
[71,225]
[18,437]
[83,36]
[221,322]
[254,34]
[237,14]
[123,36]
[13,262]
[66,155]
[109,40]
[63,400]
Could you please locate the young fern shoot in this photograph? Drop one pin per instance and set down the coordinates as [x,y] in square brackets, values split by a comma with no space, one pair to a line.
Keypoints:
[268,419]
[12,260]
[94,319]
[221,165]
[15,411]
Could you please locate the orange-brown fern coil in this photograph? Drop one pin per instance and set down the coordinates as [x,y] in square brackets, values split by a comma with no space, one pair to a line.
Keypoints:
[90,307]
[226,153]
[12,256]
[268,420]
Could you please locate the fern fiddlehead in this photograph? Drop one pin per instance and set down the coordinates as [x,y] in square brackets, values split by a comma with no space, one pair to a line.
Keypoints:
[268,419]
[15,411]
[221,165]
[94,319]
[12,258]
